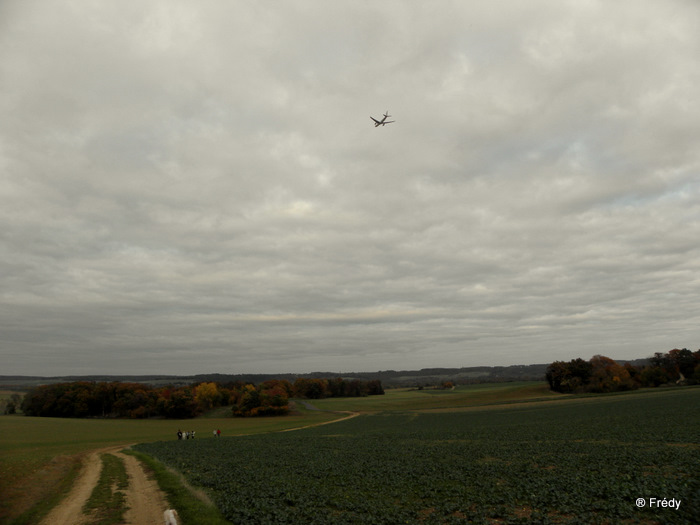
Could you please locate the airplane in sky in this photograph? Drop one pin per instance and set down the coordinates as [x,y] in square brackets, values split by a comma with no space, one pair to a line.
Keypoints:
[384,120]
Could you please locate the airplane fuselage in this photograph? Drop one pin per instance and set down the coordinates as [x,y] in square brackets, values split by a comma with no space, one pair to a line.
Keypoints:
[384,120]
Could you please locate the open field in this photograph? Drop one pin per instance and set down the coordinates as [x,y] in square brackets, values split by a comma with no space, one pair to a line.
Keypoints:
[427,399]
[487,452]
[583,460]
[5,394]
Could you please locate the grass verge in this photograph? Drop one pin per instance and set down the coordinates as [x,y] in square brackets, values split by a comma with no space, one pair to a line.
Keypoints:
[107,503]
[190,508]
[38,511]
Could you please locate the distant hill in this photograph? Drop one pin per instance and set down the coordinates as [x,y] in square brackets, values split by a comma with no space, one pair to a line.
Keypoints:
[389,378]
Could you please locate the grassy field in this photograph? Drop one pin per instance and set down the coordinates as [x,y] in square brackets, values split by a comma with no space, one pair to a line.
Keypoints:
[430,399]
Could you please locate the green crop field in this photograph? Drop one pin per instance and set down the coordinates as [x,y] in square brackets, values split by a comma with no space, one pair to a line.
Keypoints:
[580,460]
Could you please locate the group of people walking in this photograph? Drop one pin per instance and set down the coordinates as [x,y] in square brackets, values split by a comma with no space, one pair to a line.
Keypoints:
[190,434]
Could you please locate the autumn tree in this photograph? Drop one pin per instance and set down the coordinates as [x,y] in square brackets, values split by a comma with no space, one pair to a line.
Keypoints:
[674,366]
[683,362]
[207,396]
[557,375]
[267,399]
[311,388]
[600,374]
[573,376]
[137,400]
[608,376]
[337,387]
[374,388]
[182,404]
[653,376]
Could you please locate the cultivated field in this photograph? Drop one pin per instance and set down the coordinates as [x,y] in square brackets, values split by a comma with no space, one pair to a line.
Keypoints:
[583,460]
[486,453]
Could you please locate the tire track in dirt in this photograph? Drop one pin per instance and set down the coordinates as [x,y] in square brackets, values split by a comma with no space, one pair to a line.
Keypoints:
[145,500]
[70,510]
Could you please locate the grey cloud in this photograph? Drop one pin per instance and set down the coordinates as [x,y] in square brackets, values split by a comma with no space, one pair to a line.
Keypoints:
[199,187]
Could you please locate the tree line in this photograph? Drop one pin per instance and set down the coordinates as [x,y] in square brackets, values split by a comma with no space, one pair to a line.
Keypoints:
[84,399]
[601,374]
[337,387]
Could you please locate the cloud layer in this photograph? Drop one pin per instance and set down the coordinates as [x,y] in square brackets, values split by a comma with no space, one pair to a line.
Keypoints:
[197,187]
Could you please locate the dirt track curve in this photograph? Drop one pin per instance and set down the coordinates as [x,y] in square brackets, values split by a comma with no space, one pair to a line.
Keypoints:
[145,500]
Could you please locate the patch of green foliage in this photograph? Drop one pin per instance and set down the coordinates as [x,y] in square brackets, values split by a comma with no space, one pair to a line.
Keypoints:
[578,461]
[107,503]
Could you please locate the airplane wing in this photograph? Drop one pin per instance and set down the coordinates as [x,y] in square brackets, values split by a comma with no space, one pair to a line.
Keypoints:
[375,120]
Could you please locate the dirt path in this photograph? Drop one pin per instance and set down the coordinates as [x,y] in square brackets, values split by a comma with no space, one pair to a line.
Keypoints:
[145,500]
[349,416]
[70,510]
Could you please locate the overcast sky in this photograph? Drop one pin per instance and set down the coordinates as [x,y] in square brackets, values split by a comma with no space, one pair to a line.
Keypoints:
[192,187]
